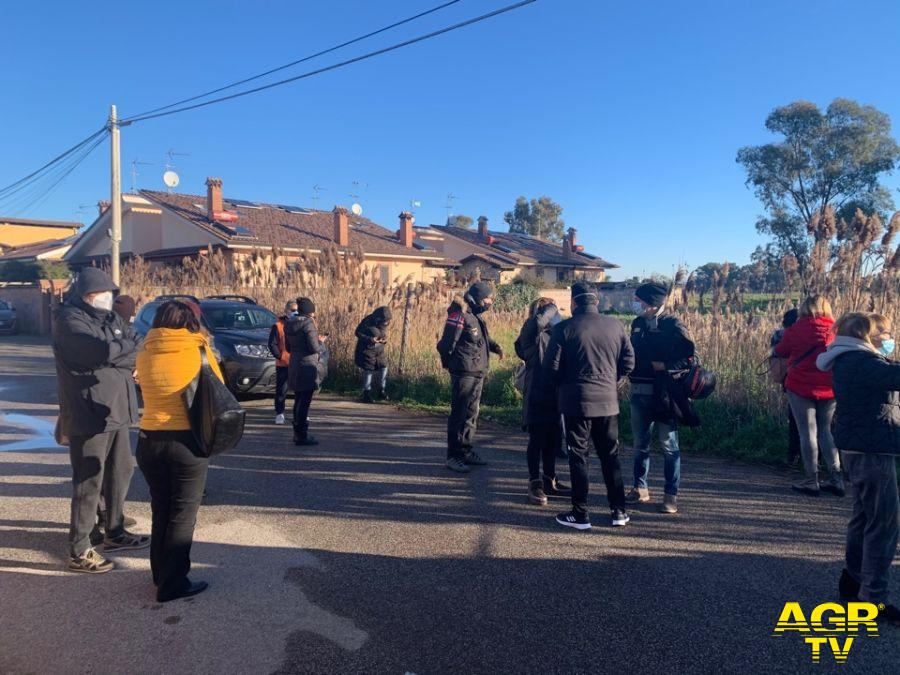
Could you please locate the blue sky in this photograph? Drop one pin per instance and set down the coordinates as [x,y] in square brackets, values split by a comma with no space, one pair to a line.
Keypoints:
[628,114]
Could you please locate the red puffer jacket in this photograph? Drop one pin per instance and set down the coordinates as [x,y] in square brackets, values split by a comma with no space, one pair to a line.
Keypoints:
[804,378]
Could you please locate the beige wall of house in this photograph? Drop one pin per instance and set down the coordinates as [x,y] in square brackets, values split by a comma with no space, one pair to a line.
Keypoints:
[12,235]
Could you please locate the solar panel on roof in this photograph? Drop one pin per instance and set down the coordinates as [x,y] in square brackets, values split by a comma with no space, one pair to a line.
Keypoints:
[500,247]
[242,231]
[244,203]
[293,209]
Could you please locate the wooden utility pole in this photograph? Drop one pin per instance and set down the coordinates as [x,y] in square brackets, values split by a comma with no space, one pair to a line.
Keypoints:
[115,233]
[404,337]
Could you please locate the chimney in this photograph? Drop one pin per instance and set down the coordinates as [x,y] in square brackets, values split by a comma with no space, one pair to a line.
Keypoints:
[406,234]
[213,198]
[482,227]
[103,206]
[572,233]
[341,227]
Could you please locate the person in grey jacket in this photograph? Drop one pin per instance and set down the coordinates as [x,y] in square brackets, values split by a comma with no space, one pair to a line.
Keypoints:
[308,364]
[95,352]
[587,357]
[867,431]
[540,414]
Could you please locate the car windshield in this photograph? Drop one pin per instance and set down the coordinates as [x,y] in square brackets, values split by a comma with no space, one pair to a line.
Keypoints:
[238,318]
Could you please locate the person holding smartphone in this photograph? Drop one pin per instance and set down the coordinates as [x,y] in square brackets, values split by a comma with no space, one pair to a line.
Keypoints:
[305,370]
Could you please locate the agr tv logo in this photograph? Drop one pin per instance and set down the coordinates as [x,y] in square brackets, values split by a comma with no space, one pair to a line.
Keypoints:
[830,626]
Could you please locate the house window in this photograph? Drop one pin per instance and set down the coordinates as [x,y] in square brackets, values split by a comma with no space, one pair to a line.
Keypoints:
[562,274]
[385,272]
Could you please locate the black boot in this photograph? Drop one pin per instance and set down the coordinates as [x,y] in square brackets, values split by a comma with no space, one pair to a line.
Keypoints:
[367,396]
[383,395]
[848,587]
[303,438]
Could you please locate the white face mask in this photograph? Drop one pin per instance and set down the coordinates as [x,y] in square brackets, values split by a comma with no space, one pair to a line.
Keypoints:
[103,301]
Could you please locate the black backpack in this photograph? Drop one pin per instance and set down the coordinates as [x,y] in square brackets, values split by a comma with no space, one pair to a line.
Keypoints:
[216,417]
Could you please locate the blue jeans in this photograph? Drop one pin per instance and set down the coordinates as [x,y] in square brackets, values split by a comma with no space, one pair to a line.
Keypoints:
[642,427]
[369,374]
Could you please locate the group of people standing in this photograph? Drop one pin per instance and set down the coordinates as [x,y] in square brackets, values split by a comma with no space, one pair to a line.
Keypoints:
[572,373]
[843,391]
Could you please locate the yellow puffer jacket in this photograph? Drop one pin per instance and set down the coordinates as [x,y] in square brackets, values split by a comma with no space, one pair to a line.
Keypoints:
[168,362]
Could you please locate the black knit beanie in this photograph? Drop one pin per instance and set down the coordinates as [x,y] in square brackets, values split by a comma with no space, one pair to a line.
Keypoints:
[653,293]
[583,293]
[479,291]
[305,307]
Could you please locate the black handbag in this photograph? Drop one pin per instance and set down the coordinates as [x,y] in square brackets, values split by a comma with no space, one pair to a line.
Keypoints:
[216,417]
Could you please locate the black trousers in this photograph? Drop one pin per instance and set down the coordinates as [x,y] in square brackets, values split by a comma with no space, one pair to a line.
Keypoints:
[543,444]
[302,401]
[465,401]
[604,431]
[176,477]
[281,389]
[101,462]
[793,437]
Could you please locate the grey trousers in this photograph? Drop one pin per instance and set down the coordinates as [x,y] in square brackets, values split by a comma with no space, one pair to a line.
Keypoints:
[814,424]
[873,527]
[101,461]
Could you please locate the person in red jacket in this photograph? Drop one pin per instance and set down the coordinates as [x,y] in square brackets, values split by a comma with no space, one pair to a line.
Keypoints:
[811,395]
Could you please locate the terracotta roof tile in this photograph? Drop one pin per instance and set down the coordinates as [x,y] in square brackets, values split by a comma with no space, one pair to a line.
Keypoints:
[272,225]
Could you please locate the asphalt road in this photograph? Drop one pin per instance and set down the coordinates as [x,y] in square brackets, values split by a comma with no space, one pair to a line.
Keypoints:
[365,555]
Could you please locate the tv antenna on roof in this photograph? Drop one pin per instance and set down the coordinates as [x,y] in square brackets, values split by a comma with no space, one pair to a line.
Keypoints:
[134,173]
[316,190]
[449,207]
[171,154]
[414,204]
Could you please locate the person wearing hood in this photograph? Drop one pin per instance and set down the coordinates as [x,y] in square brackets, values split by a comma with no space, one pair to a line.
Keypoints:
[793,455]
[369,356]
[167,451]
[279,348]
[867,431]
[309,358]
[587,357]
[465,349]
[540,414]
[661,344]
[810,394]
[95,350]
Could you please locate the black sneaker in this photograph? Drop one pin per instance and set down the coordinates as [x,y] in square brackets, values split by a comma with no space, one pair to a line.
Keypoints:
[848,587]
[304,439]
[383,395]
[90,562]
[888,614]
[554,487]
[126,542]
[367,396]
[620,518]
[96,536]
[473,458]
[193,588]
[575,520]
[458,465]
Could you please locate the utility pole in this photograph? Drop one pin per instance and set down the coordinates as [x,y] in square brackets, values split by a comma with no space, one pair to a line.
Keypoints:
[115,234]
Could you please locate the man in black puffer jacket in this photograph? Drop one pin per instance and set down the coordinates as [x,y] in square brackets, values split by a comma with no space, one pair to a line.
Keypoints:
[465,349]
[587,357]
[308,365]
[95,351]
[867,432]
[371,338]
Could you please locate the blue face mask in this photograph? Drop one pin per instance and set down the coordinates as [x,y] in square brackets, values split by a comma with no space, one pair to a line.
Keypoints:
[887,347]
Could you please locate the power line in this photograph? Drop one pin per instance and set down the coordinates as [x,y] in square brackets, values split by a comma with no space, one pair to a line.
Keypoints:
[14,187]
[299,61]
[335,66]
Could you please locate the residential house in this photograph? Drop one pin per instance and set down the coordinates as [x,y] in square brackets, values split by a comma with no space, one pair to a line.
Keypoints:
[16,233]
[502,256]
[165,228]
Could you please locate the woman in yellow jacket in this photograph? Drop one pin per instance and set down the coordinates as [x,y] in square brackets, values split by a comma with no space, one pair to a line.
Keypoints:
[166,451]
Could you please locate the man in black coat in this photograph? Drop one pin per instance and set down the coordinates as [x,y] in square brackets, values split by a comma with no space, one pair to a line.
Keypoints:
[308,365]
[371,338]
[95,352]
[465,349]
[587,357]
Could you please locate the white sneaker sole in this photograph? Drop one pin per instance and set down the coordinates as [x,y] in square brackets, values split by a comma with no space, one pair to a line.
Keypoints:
[621,522]
[574,526]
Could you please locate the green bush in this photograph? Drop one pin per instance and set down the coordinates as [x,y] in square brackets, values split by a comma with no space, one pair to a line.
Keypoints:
[33,270]
[515,296]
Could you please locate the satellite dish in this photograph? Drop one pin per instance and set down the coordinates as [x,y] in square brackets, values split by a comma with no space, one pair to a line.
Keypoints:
[357,210]
[170,178]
